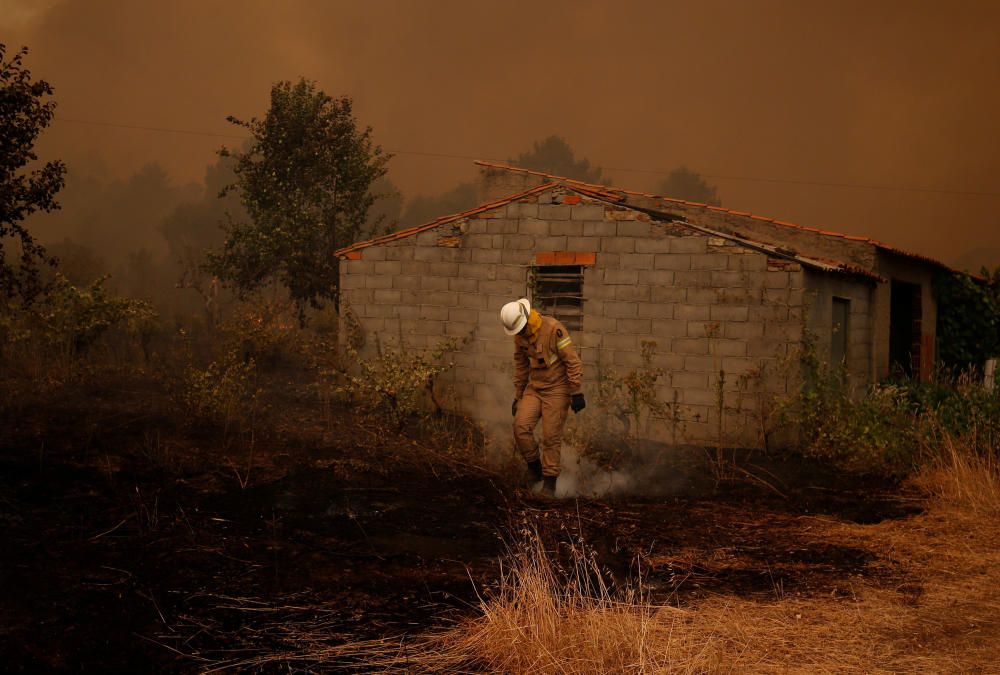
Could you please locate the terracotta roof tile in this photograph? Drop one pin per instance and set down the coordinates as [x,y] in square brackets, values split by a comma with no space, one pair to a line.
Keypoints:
[618,196]
[346,251]
[605,189]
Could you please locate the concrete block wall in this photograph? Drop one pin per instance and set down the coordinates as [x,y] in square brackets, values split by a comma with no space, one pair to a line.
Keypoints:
[451,281]
[705,305]
[712,311]
[821,289]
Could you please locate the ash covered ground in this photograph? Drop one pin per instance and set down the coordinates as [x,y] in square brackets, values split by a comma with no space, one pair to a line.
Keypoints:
[132,540]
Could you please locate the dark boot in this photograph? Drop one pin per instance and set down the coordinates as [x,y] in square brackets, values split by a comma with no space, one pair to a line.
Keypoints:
[549,486]
[535,470]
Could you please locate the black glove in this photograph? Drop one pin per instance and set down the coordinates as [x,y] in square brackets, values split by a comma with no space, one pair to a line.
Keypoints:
[513,408]
[577,403]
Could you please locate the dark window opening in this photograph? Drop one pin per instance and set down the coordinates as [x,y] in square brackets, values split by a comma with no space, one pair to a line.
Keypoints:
[839,332]
[557,290]
[904,328]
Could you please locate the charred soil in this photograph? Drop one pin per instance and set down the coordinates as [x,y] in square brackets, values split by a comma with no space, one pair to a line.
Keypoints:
[135,541]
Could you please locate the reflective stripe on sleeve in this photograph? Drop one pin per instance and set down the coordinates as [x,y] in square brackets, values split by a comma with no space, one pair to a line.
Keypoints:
[565,342]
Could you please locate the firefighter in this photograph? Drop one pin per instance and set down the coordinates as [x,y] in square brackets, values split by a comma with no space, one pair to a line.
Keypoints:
[547,377]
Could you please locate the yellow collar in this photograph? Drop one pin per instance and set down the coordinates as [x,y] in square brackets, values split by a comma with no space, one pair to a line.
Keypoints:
[534,323]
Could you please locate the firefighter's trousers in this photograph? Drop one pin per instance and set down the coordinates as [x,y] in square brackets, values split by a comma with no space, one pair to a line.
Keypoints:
[552,407]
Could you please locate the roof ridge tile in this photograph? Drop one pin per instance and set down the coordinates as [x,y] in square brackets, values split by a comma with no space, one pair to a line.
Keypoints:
[873,242]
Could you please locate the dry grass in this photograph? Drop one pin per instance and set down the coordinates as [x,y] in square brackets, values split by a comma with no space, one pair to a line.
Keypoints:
[539,618]
[960,477]
[542,620]
[944,618]
[537,624]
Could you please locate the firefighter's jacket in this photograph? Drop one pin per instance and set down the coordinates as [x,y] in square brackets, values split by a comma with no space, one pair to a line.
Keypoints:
[547,360]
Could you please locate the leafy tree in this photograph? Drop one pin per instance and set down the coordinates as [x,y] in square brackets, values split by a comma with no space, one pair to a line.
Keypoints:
[384,215]
[422,209]
[78,263]
[968,322]
[683,183]
[192,229]
[23,115]
[550,155]
[114,217]
[305,181]
[554,155]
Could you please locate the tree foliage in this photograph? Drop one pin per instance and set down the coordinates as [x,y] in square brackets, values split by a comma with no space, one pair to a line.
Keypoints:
[968,322]
[24,113]
[554,155]
[683,183]
[305,181]
[422,209]
[192,228]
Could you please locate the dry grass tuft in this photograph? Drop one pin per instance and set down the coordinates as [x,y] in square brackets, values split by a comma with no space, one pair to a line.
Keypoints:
[958,476]
[540,620]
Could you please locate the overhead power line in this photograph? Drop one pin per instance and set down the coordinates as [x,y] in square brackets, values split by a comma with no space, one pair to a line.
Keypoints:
[656,172]
[114,125]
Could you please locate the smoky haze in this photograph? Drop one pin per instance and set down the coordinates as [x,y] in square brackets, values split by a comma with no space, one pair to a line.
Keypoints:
[885,94]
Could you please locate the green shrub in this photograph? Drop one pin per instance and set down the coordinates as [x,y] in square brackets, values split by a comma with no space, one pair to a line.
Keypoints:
[222,393]
[69,320]
[888,428]
[262,330]
[611,434]
[397,383]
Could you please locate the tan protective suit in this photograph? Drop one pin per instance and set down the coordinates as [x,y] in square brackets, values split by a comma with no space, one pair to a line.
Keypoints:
[547,372]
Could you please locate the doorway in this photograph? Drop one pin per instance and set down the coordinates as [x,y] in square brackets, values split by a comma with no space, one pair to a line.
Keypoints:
[904,329]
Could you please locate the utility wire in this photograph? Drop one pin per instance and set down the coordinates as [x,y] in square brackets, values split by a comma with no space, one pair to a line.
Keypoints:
[114,125]
[656,172]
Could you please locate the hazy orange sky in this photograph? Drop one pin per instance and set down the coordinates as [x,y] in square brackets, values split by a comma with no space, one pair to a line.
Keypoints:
[873,93]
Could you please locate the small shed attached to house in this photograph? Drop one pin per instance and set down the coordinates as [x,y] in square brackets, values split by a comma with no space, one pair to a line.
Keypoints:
[715,297]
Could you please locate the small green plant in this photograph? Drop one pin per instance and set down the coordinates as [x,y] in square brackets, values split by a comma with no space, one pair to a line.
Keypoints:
[624,403]
[263,329]
[396,383]
[223,392]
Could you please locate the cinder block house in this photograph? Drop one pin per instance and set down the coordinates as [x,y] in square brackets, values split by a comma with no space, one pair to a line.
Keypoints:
[713,296]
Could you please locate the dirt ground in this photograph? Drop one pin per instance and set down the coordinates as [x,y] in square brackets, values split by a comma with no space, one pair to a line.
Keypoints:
[132,542]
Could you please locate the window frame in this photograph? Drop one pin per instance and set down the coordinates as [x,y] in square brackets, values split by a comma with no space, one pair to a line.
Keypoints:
[550,284]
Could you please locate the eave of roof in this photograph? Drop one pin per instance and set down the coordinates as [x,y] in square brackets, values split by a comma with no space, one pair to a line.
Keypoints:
[442,220]
[616,200]
[618,194]
[812,262]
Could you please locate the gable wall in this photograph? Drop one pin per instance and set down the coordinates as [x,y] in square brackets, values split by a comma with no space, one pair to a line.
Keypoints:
[497,183]
[709,306]
[821,289]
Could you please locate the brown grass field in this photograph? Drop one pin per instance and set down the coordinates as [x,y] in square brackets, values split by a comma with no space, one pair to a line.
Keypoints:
[133,542]
[942,614]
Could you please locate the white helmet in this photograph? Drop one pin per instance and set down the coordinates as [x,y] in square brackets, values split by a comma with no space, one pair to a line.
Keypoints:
[514,315]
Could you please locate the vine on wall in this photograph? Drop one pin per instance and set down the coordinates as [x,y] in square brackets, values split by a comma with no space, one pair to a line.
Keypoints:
[968,317]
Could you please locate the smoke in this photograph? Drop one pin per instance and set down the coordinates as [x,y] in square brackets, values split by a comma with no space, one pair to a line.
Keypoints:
[581,477]
[659,471]
[887,94]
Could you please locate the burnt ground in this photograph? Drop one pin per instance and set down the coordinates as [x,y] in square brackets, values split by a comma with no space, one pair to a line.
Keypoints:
[133,542]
